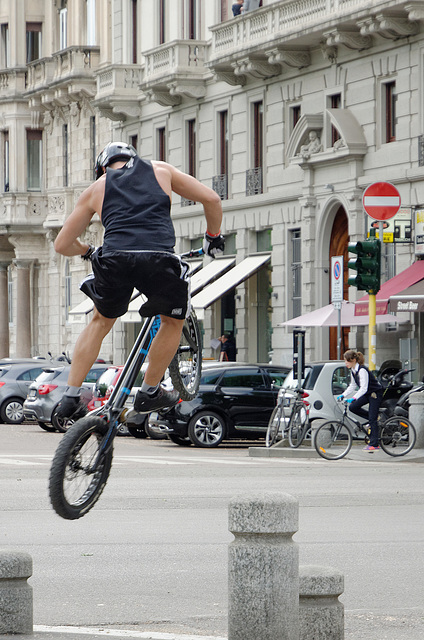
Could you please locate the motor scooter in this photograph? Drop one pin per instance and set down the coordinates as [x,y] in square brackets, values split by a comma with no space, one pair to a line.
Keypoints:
[392,378]
[402,406]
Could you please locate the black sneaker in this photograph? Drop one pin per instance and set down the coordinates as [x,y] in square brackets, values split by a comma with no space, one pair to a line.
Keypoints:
[71,407]
[145,403]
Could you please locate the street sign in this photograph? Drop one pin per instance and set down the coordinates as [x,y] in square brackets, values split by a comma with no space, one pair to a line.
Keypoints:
[336,279]
[381,200]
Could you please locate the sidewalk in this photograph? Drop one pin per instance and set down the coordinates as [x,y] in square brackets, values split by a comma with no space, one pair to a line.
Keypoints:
[280,450]
[99,633]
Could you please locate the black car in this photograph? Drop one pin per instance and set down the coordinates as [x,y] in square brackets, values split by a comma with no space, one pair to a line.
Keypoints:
[234,401]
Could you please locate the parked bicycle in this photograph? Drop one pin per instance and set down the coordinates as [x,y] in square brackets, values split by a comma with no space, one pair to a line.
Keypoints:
[83,459]
[290,418]
[333,439]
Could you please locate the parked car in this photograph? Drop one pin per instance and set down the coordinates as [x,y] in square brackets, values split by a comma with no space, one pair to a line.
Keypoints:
[16,376]
[234,402]
[322,383]
[46,392]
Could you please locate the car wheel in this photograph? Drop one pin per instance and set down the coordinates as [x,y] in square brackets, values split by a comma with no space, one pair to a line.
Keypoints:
[206,429]
[12,411]
[136,430]
[180,440]
[46,427]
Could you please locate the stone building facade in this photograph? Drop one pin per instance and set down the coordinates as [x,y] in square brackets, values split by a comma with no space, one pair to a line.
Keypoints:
[289,112]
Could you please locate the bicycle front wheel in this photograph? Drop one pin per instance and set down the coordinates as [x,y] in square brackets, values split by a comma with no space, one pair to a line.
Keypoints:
[397,436]
[74,487]
[274,426]
[297,427]
[333,440]
[186,366]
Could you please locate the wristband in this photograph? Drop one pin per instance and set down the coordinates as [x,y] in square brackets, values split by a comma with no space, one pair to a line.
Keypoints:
[213,235]
[87,255]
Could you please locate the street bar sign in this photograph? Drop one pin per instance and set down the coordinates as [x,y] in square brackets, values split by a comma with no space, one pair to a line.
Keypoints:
[381,200]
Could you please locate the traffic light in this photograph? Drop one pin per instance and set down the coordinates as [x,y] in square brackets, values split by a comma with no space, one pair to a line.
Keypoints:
[367,265]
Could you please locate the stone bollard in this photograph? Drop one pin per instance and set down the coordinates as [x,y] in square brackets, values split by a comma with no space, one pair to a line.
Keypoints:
[263,568]
[416,415]
[15,593]
[321,614]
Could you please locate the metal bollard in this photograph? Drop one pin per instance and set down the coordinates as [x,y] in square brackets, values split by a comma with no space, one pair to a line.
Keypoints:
[321,614]
[263,568]
[16,615]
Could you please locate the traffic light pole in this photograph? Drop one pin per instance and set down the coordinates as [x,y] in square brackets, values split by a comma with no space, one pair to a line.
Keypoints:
[372,339]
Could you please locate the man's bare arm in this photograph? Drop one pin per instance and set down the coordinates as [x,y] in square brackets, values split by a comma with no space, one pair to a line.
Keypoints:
[67,242]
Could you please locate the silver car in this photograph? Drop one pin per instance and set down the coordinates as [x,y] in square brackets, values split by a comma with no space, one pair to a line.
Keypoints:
[47,390]
[16,376]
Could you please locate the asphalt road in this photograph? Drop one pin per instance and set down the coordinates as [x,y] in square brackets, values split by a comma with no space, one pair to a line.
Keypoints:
[152,554]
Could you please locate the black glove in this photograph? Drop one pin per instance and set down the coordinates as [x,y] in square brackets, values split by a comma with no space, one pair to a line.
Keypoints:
[87,255]
[213,246]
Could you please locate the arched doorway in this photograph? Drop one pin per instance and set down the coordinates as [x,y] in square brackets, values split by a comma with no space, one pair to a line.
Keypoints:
[338,247]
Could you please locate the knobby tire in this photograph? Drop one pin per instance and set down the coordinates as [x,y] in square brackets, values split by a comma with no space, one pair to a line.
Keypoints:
[73,488]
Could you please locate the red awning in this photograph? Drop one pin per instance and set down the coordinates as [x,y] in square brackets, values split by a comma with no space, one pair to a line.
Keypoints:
[395,285]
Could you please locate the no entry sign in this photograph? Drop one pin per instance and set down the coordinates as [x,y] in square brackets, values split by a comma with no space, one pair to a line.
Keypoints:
[381,200]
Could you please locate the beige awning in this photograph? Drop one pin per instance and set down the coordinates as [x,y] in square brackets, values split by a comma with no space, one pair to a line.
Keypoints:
[233,278]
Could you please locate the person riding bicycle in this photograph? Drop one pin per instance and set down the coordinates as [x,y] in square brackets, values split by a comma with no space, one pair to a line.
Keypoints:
[133,199]
[366,390]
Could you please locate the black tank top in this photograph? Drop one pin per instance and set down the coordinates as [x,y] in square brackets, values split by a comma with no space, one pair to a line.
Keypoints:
[136,212]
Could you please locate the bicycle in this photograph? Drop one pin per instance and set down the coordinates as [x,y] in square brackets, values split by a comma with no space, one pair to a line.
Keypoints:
[83,459]
[333,439]
[296,426]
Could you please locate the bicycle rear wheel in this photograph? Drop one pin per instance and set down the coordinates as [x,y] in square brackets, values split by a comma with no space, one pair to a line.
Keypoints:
[74,488]
[297,427]
[186,366]
[274,426]
[397,436]
[333,440]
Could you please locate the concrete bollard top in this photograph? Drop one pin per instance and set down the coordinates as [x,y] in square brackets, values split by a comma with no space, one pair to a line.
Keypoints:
[264,513]
[15,564]
[315,580]
[417,397]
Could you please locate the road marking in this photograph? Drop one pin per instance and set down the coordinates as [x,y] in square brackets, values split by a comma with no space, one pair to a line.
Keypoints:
[122,633]
[19,463]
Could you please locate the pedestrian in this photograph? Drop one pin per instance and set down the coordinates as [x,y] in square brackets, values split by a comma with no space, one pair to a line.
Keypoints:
[251,5]
[228,348]
[237,7]
[133,199]
[367,390]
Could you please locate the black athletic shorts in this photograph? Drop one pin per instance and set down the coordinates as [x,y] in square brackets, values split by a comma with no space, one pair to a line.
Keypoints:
[160,276]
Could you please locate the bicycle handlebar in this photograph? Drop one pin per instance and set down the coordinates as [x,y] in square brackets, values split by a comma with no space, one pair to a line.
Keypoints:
[193,253]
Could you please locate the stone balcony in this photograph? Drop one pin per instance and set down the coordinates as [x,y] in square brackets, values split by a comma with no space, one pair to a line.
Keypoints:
[174,70]
[23,211]
[118,93]
[12,84]
[265,42]
[66,77]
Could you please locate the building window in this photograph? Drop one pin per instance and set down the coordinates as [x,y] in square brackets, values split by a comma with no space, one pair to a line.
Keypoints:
[10,294]
[134,38]
[93,143]
[263,240]
[162,21]
[34,159]
[220,182]
[390,111]
[63,28]
[224,11]
[192,19]
[254,176]
[65,145]
[33,41]
[6,184]
[191,138]
[134,141]
[161,144]
[68,289]
[5,46]
[335,103]
[295,113]
[296,269]
[91,22]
